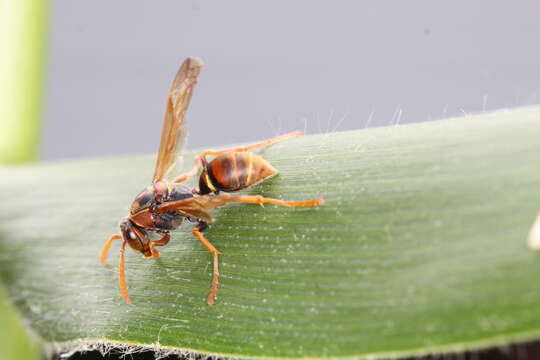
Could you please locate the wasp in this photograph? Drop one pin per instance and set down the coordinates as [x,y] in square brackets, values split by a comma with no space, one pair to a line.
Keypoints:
[166,204]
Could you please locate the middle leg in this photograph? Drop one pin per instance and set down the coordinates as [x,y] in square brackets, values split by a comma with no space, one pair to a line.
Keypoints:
[197,231]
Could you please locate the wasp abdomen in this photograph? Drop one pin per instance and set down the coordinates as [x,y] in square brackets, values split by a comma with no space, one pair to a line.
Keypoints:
[234,171]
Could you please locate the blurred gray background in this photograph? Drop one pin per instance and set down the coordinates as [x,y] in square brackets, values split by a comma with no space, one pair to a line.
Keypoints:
[277,66]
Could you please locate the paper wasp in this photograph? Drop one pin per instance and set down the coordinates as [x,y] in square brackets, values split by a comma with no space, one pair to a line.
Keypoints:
[165,205]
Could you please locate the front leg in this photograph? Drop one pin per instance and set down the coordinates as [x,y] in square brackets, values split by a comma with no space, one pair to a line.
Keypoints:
[161,242]
[106,247]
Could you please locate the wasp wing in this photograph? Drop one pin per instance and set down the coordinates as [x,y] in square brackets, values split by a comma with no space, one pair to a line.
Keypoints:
[178,98]
[197,206]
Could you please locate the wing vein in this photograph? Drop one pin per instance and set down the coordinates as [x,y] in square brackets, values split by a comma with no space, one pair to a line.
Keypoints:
[173,134]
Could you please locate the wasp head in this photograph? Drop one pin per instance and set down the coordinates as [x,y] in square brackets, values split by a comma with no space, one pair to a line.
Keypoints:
[135,236]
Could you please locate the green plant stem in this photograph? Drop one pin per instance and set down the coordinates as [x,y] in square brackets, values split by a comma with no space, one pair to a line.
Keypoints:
[22,34]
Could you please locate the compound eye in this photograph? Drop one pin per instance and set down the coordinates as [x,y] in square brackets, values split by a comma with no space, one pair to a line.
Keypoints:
[135,237]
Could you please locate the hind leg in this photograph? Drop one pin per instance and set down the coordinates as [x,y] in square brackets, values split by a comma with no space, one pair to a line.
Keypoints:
[201,159]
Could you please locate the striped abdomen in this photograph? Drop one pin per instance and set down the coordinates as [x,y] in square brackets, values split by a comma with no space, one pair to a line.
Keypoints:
[234,171]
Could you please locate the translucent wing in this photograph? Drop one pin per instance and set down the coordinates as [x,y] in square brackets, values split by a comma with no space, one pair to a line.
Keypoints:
[197,206]
[178,97]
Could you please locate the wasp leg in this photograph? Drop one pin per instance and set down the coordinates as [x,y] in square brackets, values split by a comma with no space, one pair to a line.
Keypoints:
[122,278]
[201,159]
[163,241]
[260,144]
[106,248]
[199,205]
[258,199]
[215,279]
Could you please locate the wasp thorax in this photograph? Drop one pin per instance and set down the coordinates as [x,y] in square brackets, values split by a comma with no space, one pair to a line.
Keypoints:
[152,195]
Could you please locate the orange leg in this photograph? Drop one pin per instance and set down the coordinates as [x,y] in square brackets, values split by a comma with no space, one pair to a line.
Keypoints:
[215,279]
[258,199]
[122,279]
[163,241]
[207,202]
[261,144]
[201,159]
[192,172]
[106,248]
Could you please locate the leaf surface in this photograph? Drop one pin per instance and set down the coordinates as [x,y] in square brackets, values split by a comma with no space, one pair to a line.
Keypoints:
[420,248]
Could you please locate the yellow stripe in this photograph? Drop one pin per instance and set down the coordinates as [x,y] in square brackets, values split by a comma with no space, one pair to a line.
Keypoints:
[208,182]
[250,167]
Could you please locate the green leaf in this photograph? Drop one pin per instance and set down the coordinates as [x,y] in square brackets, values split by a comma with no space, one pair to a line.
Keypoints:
[420,248]
[14,341]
